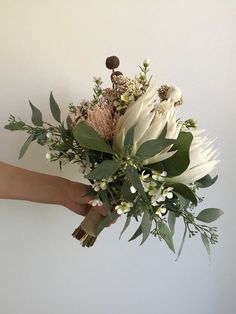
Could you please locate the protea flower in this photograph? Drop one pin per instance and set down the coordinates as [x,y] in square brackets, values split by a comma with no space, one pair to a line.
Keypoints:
[149,118]
[203,159]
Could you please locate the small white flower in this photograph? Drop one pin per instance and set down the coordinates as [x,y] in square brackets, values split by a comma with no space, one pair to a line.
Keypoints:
[132,189]
[146,62]
[161,211]
[48,156]
[159,176]
[49,135]
[124,207]
[144,176]
[165,193]
[126,97]
[150,187]
[96,202]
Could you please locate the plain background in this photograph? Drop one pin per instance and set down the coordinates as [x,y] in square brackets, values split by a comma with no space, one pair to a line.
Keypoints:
[59,46]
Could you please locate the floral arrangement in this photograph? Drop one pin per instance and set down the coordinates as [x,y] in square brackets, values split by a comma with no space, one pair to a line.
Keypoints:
[141,161]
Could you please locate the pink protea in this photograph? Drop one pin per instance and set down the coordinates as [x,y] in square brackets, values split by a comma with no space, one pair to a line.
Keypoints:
[102,120]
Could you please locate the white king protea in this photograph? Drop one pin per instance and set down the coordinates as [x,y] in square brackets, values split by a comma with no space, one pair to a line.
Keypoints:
[203,159]
[149,118]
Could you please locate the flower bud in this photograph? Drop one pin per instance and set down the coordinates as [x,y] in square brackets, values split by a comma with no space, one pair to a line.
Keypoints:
[146,63]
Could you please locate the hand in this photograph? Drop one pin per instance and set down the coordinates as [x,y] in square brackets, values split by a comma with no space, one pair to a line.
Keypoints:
[77,202]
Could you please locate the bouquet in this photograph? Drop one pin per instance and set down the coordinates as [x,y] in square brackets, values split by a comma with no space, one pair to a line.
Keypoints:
[141,161]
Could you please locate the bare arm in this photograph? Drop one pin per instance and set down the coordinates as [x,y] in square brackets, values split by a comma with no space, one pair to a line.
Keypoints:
[21,184]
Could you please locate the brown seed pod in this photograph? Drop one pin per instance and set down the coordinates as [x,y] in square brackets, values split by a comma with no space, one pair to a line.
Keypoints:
[112,62]
[116,73]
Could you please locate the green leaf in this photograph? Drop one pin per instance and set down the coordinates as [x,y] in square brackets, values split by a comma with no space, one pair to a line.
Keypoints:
[134,179]
[171,221]
[137,233]
[87,137]
[186,192]
[106,221]
[65,146]
[69,123]
[209,214]
[206,242]
[179,162]
[166,235]
[103,194]
[182,242]
[55,110]
[127,222]
[129,138]
[26,146]
[36,115]
[158,166]
[126,193]
[206,181]
[105,169]
[153,147]
[146,226]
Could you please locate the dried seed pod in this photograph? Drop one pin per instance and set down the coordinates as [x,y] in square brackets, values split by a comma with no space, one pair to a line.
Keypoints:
[115,73]
[112,62]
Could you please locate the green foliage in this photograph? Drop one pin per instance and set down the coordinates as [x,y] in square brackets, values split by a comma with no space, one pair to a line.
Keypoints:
[15,124]
[104,170]
[186,192]
[134,179]
[127,222]
[209,214]
[137,233]
[206,243]
[165,234]
[182,242]
[179,162]
[87,137]
[125,192]
[206,181]
[153,147]
[146,225]
[171,221]
[55,110]
[158,166]
[26,146]
[36,115]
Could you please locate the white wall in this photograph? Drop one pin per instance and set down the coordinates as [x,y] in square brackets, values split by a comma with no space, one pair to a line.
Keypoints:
[60,45]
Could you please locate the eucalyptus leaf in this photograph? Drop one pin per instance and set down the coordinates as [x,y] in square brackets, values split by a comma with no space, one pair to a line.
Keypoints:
[158,166]
[36,115]
[206,181]
[186,192]
[69,123]
[103,194]
[137,233]
[87,137]
[179,162]
[182,242]
[146,226]
[104,170]
[55,110]
[134,179]
[209,214]
[26,146]
[171,221]
[127,222]
[126,193]
[153,147]
[166,235]
[206,243]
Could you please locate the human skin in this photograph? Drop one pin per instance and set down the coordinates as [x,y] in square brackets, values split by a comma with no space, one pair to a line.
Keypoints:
[21,184]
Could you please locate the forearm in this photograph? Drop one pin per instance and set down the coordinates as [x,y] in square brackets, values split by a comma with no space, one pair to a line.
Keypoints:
[21,184]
